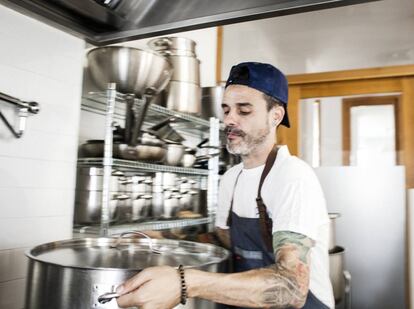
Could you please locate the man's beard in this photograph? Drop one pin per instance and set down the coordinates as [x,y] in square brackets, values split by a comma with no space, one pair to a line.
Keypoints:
[247,142]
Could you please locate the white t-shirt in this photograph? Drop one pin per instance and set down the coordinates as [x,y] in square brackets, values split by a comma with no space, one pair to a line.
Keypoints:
[295,202]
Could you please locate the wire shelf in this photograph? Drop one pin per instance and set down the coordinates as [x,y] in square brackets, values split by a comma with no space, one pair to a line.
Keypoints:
[143,166]
[143,226]
[96,102]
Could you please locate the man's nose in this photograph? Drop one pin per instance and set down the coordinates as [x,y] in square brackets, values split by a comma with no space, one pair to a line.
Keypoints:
[229,119]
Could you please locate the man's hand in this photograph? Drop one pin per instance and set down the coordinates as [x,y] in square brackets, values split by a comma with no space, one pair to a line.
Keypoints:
[153,288]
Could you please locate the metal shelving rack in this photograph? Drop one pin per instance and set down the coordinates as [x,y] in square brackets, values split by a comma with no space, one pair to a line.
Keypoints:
[96,102]
[105,103]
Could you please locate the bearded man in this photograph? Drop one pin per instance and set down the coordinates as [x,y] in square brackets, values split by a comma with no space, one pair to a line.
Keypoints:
[271,214]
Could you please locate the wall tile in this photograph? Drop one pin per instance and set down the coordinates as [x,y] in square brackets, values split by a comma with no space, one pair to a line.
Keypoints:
[12,294]
[32,202]
[14,81]
[13,264]
[38,145]
[29,232]
[29,173]
[46,90]
[58,119]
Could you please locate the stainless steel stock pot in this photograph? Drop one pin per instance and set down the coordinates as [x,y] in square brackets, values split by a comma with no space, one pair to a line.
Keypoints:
[74,273]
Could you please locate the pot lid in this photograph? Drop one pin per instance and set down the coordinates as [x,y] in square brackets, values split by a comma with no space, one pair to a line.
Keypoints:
[127,253]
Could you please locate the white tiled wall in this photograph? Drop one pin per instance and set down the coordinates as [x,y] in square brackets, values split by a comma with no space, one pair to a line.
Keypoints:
[37,172]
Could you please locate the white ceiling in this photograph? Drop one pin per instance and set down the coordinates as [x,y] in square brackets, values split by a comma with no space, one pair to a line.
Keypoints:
[365,35]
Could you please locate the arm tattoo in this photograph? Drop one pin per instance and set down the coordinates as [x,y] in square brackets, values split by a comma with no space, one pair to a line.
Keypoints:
[288,279]
[224,237]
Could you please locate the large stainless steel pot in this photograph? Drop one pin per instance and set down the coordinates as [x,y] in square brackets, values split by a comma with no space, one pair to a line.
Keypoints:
[91,178]
[133,70]
[74,273]
[211,99]
[184,97]
[186,69]
[88,206]
[336,272]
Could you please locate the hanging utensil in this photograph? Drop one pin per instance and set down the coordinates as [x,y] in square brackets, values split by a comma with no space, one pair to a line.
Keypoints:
[140,115]
[164,131]
[129,117]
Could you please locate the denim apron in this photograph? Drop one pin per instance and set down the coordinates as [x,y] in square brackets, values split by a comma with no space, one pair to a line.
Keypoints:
[251,238]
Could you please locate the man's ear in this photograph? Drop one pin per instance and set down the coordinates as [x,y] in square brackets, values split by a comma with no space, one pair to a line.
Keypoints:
[278,114]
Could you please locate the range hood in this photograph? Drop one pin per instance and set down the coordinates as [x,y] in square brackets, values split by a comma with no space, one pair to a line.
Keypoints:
[102,22]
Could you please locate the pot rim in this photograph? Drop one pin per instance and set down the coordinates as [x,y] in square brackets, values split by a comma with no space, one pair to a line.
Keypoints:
[102,241]
[337,250]
[149,51]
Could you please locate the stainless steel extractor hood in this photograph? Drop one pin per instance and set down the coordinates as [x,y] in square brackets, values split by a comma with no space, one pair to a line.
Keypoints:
[102,22]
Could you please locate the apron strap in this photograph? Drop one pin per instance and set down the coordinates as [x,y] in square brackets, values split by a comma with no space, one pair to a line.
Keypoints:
[264,219]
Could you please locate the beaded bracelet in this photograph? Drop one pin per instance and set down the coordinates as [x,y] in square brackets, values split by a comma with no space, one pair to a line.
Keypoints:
[183,298]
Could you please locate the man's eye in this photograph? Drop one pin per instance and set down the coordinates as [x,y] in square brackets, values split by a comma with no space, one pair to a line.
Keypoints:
[244,112]
[225,112]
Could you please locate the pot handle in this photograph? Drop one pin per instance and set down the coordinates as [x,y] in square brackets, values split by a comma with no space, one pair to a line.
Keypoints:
[151,244]
[348,298]
[207,157]
[163,42]
[203,142]
[162,123]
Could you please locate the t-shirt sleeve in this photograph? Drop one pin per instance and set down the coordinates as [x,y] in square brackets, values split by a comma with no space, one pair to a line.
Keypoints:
[224,200]
[299,208]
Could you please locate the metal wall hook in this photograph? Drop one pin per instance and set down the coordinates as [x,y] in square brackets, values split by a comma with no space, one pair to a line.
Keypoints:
[24,109]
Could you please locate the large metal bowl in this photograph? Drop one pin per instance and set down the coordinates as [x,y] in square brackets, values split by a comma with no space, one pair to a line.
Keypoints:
[133,70]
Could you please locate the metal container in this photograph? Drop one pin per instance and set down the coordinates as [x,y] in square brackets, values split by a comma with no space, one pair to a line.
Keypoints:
[74,273]
[188,160]
[142,152]
[133,70]
[141,206]
[332,230]
[188,200]
[186,69]
[184,97]
[336,272]
[199,204]
[157,204]
[95,149]
[164,180]
[171,204]
[140,185]
[211,99]
[88,206]
[174,154]
[91,178]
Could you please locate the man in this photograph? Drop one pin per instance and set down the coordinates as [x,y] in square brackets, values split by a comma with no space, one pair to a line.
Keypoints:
[271,213]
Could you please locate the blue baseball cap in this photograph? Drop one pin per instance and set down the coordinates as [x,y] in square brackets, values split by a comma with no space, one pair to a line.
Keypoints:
[263,77]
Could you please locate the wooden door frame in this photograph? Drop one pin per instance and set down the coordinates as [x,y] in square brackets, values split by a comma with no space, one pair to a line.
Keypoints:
[348,103]
[395,79]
